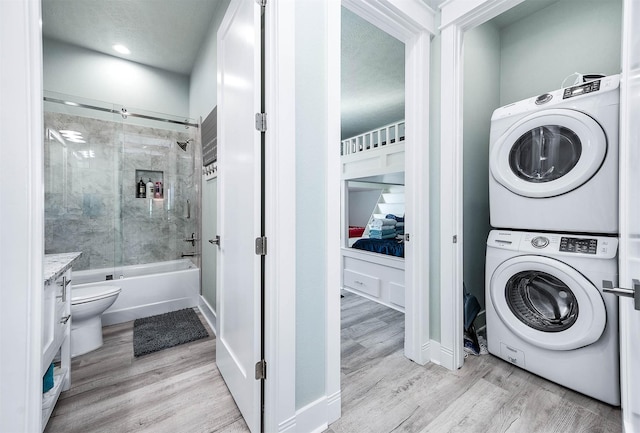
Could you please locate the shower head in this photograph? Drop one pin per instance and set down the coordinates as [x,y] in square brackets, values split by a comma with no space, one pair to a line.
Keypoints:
[183,144]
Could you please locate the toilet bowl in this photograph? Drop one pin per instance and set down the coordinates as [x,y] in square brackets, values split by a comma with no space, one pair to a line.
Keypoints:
[87,306]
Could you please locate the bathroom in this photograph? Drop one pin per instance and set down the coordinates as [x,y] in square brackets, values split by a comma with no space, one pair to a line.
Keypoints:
[112,126]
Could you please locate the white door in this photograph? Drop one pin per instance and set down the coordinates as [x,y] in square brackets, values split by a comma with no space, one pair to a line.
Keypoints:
[239,213]
[630,216]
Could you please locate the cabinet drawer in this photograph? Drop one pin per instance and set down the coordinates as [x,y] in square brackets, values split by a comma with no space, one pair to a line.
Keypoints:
[364,283]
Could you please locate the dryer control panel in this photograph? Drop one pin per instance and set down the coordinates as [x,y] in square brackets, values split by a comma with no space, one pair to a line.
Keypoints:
[591,86]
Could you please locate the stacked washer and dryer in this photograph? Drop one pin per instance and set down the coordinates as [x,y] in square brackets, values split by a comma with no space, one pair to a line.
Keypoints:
[553,190]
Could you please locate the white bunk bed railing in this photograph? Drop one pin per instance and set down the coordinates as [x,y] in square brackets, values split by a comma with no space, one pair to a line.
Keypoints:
[374,139]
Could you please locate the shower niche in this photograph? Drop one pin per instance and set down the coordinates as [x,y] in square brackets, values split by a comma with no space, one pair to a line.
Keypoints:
[149,184]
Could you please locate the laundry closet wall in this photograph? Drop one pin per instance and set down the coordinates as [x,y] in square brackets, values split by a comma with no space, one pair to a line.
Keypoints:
[540,50]
[515,61]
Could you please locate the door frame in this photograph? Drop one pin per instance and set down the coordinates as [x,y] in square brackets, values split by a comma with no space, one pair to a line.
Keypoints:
[457,17]
[413,23]
[22,191]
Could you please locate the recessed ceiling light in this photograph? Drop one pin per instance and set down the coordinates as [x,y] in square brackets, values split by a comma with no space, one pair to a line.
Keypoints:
[121,49]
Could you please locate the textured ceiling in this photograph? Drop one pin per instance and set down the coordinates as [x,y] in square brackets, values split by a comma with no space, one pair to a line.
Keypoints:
[372,76]
[166,34]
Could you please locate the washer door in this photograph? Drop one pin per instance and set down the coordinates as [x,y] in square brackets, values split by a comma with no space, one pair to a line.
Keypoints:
[548,153]
[547,303]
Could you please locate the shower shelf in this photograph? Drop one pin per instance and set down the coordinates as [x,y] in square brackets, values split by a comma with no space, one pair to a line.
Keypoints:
[155,176]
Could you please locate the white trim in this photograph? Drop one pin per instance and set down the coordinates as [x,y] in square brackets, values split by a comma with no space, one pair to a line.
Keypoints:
[22,216]
[280,298]
[413,23]
[457,17]
[208,313]
[312,418]
[334,188]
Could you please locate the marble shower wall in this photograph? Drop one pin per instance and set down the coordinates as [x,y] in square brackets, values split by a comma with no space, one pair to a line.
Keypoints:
[90,191]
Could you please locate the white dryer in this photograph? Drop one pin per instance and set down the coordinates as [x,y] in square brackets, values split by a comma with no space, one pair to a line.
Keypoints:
[547,312]
[554,160]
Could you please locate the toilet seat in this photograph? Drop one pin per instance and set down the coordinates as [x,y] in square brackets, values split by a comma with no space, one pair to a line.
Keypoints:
[89,294]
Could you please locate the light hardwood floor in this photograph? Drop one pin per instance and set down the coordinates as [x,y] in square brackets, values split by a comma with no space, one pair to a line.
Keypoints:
[175,390]
[180,390]
[382,391]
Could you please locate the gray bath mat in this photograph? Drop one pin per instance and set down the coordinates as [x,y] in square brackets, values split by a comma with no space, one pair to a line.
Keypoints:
[151,334]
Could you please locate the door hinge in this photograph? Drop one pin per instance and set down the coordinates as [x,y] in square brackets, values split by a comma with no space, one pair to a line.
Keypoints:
[261,122]
[406,237]
[455,239]
[261,246]
[261,370]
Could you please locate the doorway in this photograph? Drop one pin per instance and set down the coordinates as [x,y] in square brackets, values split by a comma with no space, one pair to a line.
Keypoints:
[502,31]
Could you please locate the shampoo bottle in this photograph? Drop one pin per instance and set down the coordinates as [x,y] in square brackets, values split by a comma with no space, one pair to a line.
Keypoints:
[150,189]
[142,189]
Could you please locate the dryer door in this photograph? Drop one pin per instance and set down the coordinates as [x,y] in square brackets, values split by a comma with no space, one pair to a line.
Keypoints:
[548,153]
[547,303]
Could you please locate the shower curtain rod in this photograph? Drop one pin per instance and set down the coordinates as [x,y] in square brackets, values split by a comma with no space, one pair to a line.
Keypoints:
[123,112]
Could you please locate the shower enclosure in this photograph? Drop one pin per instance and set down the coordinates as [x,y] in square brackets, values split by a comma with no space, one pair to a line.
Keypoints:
[97,157]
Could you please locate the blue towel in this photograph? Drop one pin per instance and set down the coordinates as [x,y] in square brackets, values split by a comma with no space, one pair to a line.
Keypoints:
[379,222]
[47,379]
[389,236]
[381,232]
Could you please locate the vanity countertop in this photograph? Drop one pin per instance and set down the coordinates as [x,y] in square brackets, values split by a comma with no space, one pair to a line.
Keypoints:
[56,264]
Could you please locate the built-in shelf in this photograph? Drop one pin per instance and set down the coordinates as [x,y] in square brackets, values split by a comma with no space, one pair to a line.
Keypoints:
[50,397]
[156,177]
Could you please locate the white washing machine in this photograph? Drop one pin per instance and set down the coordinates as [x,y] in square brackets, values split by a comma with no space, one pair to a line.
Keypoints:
[547,312]
[554,160]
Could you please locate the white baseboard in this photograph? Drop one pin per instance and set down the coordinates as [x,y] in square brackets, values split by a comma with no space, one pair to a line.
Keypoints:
[334,407]
[444,356]
[312,418]
[209,314]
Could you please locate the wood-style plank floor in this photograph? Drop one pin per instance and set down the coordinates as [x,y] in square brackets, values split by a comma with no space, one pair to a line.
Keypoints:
[180,390]
[382,391]
[175,390]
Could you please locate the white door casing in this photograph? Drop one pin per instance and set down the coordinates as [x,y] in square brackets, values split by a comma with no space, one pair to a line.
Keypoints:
[413,23]
[239,212]
[456,18]
[629,250]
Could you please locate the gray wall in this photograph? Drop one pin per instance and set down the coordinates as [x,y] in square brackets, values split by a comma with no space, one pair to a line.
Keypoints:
[203,89]
[311,148]
[81,72]
[539,51]
[481,66]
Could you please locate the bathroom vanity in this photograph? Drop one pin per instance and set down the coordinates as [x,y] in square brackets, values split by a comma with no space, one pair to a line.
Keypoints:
[56,326]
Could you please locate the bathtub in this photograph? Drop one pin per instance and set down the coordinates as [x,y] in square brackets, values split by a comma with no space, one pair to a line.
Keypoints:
[147,289]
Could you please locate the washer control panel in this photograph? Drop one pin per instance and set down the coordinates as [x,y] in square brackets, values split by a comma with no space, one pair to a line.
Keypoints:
[555,244]
[578,245]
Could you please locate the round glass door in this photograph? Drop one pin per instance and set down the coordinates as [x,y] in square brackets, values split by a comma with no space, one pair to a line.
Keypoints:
[547,303]
[548,153]
[541,301]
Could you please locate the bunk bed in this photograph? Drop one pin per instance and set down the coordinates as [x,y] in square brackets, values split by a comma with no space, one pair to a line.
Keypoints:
[374,268]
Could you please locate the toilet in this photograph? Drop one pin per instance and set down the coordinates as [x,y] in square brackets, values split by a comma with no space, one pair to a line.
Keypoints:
[87,306]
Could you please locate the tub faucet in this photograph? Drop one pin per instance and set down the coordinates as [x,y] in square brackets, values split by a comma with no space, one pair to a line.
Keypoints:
[192,239]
